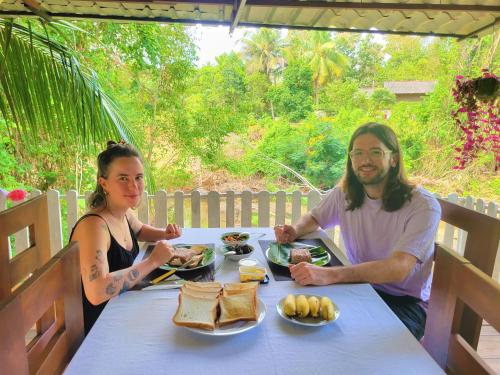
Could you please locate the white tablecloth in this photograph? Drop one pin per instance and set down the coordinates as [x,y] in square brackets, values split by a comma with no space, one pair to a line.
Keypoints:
[135,335]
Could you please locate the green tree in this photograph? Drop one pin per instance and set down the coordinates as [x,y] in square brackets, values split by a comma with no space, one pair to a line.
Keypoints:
[297,91]
[325,61]
[263,53]
[45,91]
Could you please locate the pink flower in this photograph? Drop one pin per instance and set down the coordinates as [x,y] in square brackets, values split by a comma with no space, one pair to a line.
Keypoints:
[17,195]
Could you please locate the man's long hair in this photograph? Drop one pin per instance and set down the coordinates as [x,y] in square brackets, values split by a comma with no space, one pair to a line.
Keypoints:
[397,190]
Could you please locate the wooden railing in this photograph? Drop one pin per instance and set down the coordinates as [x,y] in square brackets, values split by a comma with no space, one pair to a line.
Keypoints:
[229,209]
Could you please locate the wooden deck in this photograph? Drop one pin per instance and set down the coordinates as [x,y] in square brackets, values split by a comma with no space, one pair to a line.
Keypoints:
[489,346]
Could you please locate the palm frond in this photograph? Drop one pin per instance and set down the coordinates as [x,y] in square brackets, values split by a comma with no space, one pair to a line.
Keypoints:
[45,90]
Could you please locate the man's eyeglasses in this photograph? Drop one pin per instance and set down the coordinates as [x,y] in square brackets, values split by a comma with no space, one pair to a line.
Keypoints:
[374,154]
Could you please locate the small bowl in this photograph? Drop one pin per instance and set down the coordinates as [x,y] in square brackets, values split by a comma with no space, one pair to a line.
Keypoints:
[235,239]
[238,256]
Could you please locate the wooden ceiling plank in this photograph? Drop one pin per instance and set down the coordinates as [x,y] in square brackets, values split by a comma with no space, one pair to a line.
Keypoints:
[239,6]
[375,6]
[37,9]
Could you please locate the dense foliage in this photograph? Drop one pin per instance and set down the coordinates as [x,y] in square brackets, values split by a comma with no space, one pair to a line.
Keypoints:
[289,100]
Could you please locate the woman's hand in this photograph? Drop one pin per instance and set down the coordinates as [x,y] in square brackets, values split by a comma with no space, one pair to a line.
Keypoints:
[172,231]
[161,254]
[285,233]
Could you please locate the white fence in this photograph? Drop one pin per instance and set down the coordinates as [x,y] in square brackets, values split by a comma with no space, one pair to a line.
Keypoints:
[229,209]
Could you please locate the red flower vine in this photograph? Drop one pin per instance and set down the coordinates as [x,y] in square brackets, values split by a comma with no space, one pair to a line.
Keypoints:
[478,117]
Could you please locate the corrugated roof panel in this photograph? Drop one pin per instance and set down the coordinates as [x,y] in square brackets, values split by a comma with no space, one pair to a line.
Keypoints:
[424,16]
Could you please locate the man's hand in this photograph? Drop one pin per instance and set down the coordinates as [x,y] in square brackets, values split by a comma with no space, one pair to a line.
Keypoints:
[172,231]
[308,274]
[285,233]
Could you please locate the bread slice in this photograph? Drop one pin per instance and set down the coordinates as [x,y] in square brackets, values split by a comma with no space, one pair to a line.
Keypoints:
[241,286]
[208,284]
[207,289]
[232,289]
[237,307]
[196,312]
[199,293]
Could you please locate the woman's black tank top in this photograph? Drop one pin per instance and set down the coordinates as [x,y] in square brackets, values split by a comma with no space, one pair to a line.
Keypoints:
[118,259]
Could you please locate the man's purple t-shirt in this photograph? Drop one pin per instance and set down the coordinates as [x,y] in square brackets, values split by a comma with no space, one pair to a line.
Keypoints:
[370,233]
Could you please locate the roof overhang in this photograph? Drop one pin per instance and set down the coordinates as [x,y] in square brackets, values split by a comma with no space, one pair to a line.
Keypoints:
[453,18]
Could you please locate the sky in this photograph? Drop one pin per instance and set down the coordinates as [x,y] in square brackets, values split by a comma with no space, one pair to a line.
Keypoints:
[213,41]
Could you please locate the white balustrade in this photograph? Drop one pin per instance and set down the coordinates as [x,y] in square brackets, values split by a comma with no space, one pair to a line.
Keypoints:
[286,208]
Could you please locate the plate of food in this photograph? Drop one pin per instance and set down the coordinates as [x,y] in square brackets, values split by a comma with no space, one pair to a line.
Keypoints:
[235,238]
[308,310]
[209,309]
[296,252]
[237,327]
[190,257]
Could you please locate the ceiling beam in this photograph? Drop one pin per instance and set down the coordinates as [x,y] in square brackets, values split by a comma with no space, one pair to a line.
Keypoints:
[37,9]
[236,14]
[71,16]
[301,4]
[374,6]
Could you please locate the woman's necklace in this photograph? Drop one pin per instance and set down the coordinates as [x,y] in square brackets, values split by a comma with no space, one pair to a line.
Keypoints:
[120,226]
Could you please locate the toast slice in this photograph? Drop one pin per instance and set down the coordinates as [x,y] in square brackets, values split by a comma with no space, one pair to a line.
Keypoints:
[237,307]
[232,289]
[207,284]
[196,312]
[199,293]
[242,286]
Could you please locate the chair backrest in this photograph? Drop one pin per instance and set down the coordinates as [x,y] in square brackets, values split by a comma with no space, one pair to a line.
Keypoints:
[481,246]
[15,270]
[457,282]
[54,287]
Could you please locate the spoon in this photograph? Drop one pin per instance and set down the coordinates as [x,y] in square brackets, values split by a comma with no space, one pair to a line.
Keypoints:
[230,253]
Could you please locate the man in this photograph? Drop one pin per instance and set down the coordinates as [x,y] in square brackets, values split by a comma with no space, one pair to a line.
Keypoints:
[387,224]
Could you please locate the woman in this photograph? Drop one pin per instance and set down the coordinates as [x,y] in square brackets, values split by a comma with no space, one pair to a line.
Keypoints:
[108,233]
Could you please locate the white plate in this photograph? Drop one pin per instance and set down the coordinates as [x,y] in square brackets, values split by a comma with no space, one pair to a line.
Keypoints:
[168,267]
[237,327]
[308,321]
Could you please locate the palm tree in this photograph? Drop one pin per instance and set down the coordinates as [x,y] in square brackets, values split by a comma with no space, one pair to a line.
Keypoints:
[324,60]
[44,91]
[263,51]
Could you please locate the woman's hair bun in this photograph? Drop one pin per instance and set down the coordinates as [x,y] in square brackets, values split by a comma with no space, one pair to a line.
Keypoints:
[111,144]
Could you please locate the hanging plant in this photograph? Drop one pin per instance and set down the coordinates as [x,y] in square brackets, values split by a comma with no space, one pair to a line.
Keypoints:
[478,117]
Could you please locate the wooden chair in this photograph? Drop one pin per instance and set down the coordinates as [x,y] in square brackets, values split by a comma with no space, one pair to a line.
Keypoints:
[56,285]
[32,214]
[481,246]
[457,282]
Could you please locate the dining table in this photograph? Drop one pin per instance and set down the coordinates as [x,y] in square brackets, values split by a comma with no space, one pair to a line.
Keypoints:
[135,333]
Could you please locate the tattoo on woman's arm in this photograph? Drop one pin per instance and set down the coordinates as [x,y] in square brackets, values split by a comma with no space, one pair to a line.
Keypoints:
[94,272]
[99,256]
[125,287]
[111,289]
[133,274]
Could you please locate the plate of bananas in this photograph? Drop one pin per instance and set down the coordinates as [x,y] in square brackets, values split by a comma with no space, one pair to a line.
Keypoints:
[308,310]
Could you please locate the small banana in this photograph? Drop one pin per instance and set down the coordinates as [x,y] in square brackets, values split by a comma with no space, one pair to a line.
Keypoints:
[289,307]
[313,306]
[327,312]
[302,306]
